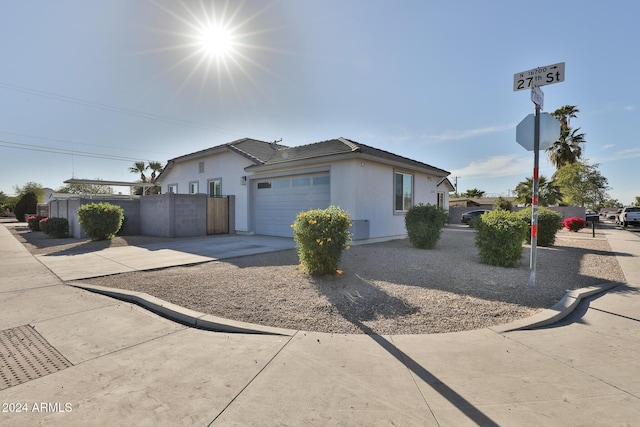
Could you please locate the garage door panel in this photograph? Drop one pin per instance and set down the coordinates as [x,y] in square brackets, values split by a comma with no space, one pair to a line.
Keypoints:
[276,207]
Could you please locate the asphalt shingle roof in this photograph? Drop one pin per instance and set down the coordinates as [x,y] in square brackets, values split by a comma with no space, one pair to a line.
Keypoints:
[271,153]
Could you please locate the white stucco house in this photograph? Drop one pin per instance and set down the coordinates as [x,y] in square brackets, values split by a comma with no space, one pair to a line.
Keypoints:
[272,183]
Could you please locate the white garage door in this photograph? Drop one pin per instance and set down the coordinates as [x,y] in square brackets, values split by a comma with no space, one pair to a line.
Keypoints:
[277,201]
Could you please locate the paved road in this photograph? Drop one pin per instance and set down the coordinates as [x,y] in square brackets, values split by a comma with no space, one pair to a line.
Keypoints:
[115,363]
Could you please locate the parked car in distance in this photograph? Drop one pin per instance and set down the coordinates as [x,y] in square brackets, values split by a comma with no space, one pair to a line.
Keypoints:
[611,215]
[630,215]
[468,217]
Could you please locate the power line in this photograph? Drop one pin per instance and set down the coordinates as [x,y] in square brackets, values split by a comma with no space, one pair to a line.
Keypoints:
[32,147]
[119,110]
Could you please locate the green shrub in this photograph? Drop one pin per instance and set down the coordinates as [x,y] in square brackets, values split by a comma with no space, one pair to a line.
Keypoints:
[33,222]
[27,204]
[321,235]
[549,222]
[43,225]
[424,225]
[499,237]
[55,227]
[100,221]
[574,223]
[502,204]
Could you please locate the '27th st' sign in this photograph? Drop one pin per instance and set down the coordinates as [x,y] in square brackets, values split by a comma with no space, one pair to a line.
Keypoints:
[540,76]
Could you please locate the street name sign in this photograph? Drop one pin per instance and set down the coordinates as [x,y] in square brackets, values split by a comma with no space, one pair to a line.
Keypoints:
[539,76]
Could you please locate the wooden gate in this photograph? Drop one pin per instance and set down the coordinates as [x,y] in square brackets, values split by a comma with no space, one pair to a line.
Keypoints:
[217,215]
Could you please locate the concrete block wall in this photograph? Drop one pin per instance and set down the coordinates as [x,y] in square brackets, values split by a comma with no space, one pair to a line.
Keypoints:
[156,215]
[190,215]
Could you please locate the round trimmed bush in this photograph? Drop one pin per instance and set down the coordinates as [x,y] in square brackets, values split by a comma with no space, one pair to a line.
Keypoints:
[499,237]
[100,221]
[424,225]
[321,235]
[33,222]
[57,228]
[549,222]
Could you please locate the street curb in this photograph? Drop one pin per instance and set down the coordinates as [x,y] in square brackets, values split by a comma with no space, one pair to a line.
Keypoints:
[559,311]
[183,315]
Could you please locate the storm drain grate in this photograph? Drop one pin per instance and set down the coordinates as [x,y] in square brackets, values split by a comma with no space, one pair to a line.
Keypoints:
[25,355]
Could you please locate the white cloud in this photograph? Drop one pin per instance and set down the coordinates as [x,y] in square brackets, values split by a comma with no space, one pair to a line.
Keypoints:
[464,134]
[452,135]
[497,166]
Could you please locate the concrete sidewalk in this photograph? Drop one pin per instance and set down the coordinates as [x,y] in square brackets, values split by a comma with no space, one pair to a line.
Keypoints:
[127,366]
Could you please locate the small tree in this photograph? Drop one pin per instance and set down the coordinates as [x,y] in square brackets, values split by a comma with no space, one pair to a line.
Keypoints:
[27,204]
[424,225]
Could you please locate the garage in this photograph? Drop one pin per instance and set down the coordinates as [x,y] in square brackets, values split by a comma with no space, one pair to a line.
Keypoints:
[277,201]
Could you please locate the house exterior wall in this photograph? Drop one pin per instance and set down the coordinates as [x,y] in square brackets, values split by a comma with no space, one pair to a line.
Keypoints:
[227,166]
[365,189]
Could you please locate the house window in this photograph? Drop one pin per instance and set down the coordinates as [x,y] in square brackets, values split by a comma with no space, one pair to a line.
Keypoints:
[215,187]
[301,182]
[441,200]
[172,188]
[403,188]
[263,185]
[193,187]
[201,167]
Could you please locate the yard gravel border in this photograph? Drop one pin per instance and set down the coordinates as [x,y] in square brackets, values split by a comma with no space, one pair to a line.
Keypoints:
[386,288]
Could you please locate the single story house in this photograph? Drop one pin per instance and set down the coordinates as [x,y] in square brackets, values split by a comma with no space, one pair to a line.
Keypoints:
[271,183]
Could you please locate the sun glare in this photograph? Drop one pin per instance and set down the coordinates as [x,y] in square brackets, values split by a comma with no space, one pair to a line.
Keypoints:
[216,41]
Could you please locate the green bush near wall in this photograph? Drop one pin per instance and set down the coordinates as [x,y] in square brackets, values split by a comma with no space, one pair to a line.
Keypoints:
[424,225]
[100,221]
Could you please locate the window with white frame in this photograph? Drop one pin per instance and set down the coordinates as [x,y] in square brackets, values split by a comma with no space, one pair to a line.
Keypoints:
[215,187]
[172,188]
[193,187]
[403,191]
[441,200]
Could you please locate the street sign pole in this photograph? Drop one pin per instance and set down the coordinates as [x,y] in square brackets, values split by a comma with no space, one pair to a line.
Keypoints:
[534,198]
[533,79]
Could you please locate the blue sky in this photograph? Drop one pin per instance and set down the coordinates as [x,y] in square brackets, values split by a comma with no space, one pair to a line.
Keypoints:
[115,81]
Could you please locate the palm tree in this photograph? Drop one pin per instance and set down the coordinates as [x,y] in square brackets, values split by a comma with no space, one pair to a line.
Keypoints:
[156,169]
[139,167]
[568,148]
[473,193]
[548,192]
[566,113]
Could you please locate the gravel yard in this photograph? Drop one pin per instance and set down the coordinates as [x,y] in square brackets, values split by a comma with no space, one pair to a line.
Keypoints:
[385,288]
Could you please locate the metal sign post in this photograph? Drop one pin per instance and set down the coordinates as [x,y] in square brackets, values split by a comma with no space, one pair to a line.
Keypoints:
[534,198]
[533,79]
